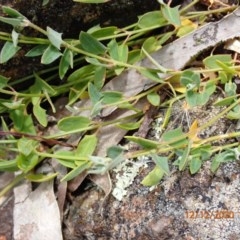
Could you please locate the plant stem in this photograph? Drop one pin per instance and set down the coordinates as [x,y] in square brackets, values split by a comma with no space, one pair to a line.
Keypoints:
[12,184]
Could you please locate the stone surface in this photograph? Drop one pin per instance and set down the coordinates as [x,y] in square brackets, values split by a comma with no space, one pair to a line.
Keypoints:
[182,207]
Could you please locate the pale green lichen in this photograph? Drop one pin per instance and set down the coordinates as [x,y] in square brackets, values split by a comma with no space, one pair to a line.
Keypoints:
[125,175]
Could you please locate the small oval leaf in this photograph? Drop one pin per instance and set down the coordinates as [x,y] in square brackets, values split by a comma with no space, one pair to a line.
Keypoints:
[8,51]
[73,123]
[50,55]
[90,44]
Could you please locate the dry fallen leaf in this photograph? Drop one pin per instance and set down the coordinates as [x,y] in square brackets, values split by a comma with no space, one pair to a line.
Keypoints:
[233,44]
[36,213]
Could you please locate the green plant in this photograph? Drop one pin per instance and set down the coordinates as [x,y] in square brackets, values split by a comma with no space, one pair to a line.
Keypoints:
[92,63]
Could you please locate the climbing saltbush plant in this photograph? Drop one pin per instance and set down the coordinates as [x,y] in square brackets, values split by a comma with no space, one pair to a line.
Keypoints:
[84,65]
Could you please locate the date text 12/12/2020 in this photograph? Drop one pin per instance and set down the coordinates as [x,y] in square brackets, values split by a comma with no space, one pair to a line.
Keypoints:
[205,214]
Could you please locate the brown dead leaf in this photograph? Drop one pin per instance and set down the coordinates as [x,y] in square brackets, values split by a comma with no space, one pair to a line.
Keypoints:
[77,181]
[102,181]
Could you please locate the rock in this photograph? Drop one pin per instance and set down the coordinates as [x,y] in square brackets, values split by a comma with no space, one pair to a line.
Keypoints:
[181,207]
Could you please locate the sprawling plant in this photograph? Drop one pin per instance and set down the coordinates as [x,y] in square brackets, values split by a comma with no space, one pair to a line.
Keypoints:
[84,65]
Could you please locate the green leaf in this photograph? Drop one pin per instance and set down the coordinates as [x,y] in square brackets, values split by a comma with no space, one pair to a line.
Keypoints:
[13,104]
[45,2]
[226,156]
[90,44]
[40,177]
[26,146]
[27,163]
[8,165]
[96,109]
[234,113]
[50,55]
[40,114]
[175,138]
[12,21]
[36,51]
[172,15]
[151,74]
[225,101]
[94,94]
[82,73]
[127,105]
[226,67]
[99,77]
[95,62]
[214,165]
[111,97]
[211,62]
[102,32]
[15,36]
[119,53]
[65,158]
[134,56]
[22,121]
[204,152]
[76,171]
[2,109]
[12,12]
[43,86]
[190,79]
[151,45]
[145,143]
[161,162]
[74,123]
[187,26]
[151,19]
[166,36]
[154,98]
[102,164]
[184,157]
[66,62]
[153,178]
[230,88]
[195,165]
[114,152]
[75,94]
[87,146]
[17,20]
[194,98]
[54,37]
[8,51]
[3,81]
